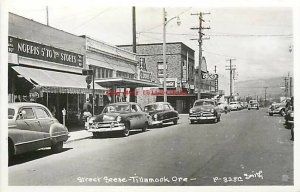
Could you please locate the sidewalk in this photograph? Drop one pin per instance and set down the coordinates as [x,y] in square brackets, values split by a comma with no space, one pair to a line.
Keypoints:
[78,132]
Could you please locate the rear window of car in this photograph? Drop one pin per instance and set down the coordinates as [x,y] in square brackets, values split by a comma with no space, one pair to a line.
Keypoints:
[41,113]
[154,107]
[11,113]
[201,103]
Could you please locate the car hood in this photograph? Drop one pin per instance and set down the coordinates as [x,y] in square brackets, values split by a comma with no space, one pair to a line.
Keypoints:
[106,117]
[202,108]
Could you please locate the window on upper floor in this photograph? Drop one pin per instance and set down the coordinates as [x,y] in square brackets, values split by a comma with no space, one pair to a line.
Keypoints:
[143,64]
[160,69]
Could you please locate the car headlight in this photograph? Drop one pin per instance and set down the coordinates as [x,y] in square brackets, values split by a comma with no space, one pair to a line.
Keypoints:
[91,120]
[212,110]
[191,111]
[155,116]
[119,119]
[292,114]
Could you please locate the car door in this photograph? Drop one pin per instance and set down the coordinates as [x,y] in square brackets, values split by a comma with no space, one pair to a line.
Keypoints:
[173,113]
[167,112]
[32,137]
[46,121]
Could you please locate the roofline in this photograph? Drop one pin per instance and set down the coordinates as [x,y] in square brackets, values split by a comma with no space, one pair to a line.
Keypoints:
[44,24]
[142,44]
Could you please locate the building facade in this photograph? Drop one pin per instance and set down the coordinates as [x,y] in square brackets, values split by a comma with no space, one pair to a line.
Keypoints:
[45,65]
[180,78]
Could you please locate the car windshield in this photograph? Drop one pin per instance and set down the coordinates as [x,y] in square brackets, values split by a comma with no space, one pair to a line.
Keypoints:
[116,108]
[203,103]
[11,113]
[153,107]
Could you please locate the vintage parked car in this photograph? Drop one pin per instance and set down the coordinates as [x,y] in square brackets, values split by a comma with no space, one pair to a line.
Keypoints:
[253,104]
[224,107]
[277,108]
[31,126]
[204,109]
[234,105]
[161,112]
[118,117]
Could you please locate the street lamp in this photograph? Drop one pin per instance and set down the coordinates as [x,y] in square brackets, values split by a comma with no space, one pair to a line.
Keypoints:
[165,22]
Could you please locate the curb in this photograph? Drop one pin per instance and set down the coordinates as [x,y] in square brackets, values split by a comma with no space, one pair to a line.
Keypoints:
[78,139]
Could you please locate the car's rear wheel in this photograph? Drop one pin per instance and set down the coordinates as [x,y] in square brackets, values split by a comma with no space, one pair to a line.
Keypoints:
[125,132]
[219,119]
[282,113]
[175,121]
[57,147]
[215,120]
[11,151]
[145,128]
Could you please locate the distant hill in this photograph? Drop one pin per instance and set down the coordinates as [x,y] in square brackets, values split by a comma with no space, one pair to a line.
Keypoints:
[255,88]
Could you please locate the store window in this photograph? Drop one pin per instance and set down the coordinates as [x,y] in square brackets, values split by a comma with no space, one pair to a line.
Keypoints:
[160,69]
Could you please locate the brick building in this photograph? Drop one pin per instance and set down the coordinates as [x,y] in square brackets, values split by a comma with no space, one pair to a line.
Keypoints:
[180,64]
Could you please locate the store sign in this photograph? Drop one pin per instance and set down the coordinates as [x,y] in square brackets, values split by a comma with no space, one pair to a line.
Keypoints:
[145,75]
[171,83]
[209,76]
[43,52]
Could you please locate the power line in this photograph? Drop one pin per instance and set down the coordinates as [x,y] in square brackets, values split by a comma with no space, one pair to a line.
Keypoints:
[89,20]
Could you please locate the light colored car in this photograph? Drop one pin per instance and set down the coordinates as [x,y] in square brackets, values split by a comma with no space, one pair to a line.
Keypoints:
[119,117]
[253,104]
[234,105]
[204,109]
[31,126]
[277,108]
[224,107]
[161,112]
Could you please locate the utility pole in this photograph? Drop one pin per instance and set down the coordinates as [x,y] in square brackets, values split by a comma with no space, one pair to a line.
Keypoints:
[47,15]
[286,86]
[265,95]
[291,90]
[133,30]
[230,68]
[200,28]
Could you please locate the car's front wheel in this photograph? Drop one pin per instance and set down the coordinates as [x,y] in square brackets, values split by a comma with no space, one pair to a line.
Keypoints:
[282,113]
[125,132]
[271,114]
[57,147]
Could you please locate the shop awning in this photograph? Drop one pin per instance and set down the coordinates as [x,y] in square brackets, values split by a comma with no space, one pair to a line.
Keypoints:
[56,82]
[125,83]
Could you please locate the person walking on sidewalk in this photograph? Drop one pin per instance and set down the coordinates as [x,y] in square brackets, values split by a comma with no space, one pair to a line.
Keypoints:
[87,110]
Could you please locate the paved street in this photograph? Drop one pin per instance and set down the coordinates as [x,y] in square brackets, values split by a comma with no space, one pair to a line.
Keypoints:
[245,148]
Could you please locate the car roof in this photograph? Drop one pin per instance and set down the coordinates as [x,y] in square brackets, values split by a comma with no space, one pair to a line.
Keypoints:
[161,102]
[24,104]
[204,100]
[122,103]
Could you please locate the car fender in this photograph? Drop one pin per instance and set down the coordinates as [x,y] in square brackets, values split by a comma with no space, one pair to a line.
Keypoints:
[58,133]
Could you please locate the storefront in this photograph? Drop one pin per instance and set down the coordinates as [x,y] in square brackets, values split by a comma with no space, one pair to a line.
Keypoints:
[50,76]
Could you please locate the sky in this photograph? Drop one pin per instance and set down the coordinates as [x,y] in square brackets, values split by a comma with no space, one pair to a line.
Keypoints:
[258,38]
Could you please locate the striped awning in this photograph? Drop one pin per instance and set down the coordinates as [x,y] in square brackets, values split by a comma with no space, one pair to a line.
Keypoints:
[56,82]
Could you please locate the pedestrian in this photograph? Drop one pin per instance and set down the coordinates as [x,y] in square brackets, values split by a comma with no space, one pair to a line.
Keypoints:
[87,108]
[53,111]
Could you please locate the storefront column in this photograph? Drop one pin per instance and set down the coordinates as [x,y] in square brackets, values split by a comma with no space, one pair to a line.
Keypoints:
[113,95]
[132,95]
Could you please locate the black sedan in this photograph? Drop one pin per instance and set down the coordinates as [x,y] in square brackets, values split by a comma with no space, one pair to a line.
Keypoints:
[161,112]
[119,117]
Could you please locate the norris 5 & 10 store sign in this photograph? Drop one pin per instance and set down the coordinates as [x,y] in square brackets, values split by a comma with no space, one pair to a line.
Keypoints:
[43,52]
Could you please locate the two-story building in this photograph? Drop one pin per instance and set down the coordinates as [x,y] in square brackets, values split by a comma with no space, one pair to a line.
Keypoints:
[180,64]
